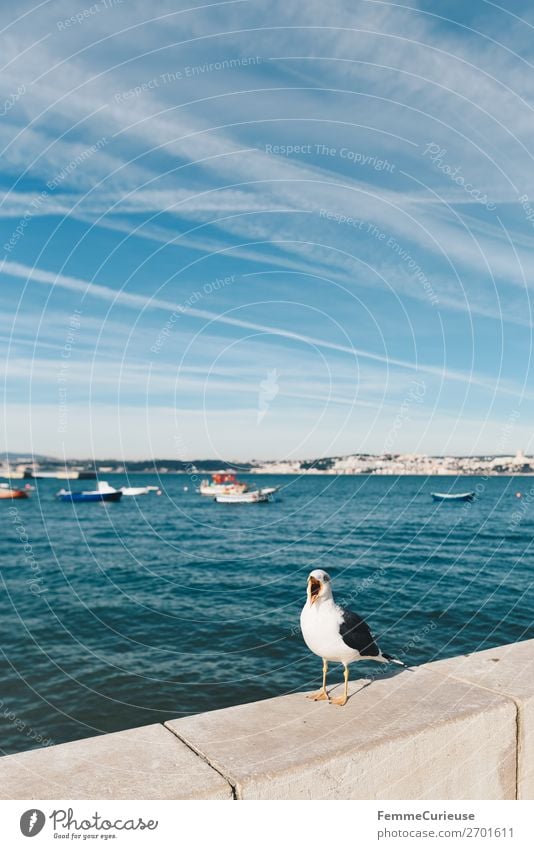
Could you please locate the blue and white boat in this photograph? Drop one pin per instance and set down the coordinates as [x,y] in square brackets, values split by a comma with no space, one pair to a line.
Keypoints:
[105,492]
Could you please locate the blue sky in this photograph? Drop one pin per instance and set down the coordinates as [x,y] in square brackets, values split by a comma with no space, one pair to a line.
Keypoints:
[278,229]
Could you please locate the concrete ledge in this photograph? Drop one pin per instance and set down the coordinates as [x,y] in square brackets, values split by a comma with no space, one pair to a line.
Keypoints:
[508,670]
[142,763]
[456,729]
[418,735]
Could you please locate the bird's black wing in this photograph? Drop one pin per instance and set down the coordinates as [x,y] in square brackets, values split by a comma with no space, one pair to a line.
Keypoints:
[356,634]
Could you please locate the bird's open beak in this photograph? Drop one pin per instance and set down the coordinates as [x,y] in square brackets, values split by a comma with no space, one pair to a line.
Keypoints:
[314,588]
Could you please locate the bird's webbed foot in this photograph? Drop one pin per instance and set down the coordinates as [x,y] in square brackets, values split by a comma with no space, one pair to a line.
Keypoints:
[321,696]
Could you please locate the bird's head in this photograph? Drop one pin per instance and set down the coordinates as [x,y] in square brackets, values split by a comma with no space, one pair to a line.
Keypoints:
[318,586]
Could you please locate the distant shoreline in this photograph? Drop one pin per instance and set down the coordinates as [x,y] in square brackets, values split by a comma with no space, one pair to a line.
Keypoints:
[203,474]
[353,465]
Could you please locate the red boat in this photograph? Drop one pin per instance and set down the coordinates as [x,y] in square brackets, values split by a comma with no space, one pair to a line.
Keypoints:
[7,492]
[222,483]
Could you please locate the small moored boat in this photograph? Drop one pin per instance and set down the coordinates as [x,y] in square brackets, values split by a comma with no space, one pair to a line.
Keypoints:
[135,490]
[256,496]
[451,496]
[7,492]
[222,483]
[105,492]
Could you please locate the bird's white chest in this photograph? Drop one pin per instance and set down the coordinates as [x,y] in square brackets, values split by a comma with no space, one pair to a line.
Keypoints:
[320,624]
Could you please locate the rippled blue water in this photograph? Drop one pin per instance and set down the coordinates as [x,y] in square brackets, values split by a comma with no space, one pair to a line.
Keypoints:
[158,607]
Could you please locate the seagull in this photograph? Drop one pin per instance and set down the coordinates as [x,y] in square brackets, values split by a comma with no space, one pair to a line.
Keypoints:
[336,634]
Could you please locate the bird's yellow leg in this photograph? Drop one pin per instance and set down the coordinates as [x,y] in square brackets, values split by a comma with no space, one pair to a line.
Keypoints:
[322,695]
[342,700]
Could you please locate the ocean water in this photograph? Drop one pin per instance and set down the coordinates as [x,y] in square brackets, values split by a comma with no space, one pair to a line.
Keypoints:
[119,615]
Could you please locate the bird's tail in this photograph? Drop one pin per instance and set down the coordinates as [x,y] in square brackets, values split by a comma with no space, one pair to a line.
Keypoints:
[391,659]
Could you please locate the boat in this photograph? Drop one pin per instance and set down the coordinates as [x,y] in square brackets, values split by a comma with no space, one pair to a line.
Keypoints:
[105,492]
[222,483]
[90,495]
[255,496]
[60,476]
[7,492]
[136,490]
[449,496]
[93,495]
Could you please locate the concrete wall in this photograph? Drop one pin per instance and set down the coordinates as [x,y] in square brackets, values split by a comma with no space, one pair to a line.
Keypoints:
[456,729]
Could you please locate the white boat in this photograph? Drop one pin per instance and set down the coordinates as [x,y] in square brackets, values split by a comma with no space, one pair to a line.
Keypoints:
[136,490]
[255,496]
[104,486]
[222,483]
[453,496]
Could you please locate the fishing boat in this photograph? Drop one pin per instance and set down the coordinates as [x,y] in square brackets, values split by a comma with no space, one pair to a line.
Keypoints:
[222,483]
[7,492]
[255,496]
[105,492]
[450,496]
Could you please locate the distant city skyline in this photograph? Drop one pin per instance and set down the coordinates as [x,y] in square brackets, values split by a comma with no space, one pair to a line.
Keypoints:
[231,238]
[25,460]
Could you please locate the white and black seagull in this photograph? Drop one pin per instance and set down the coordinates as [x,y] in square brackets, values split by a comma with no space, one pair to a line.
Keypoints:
[335,633]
